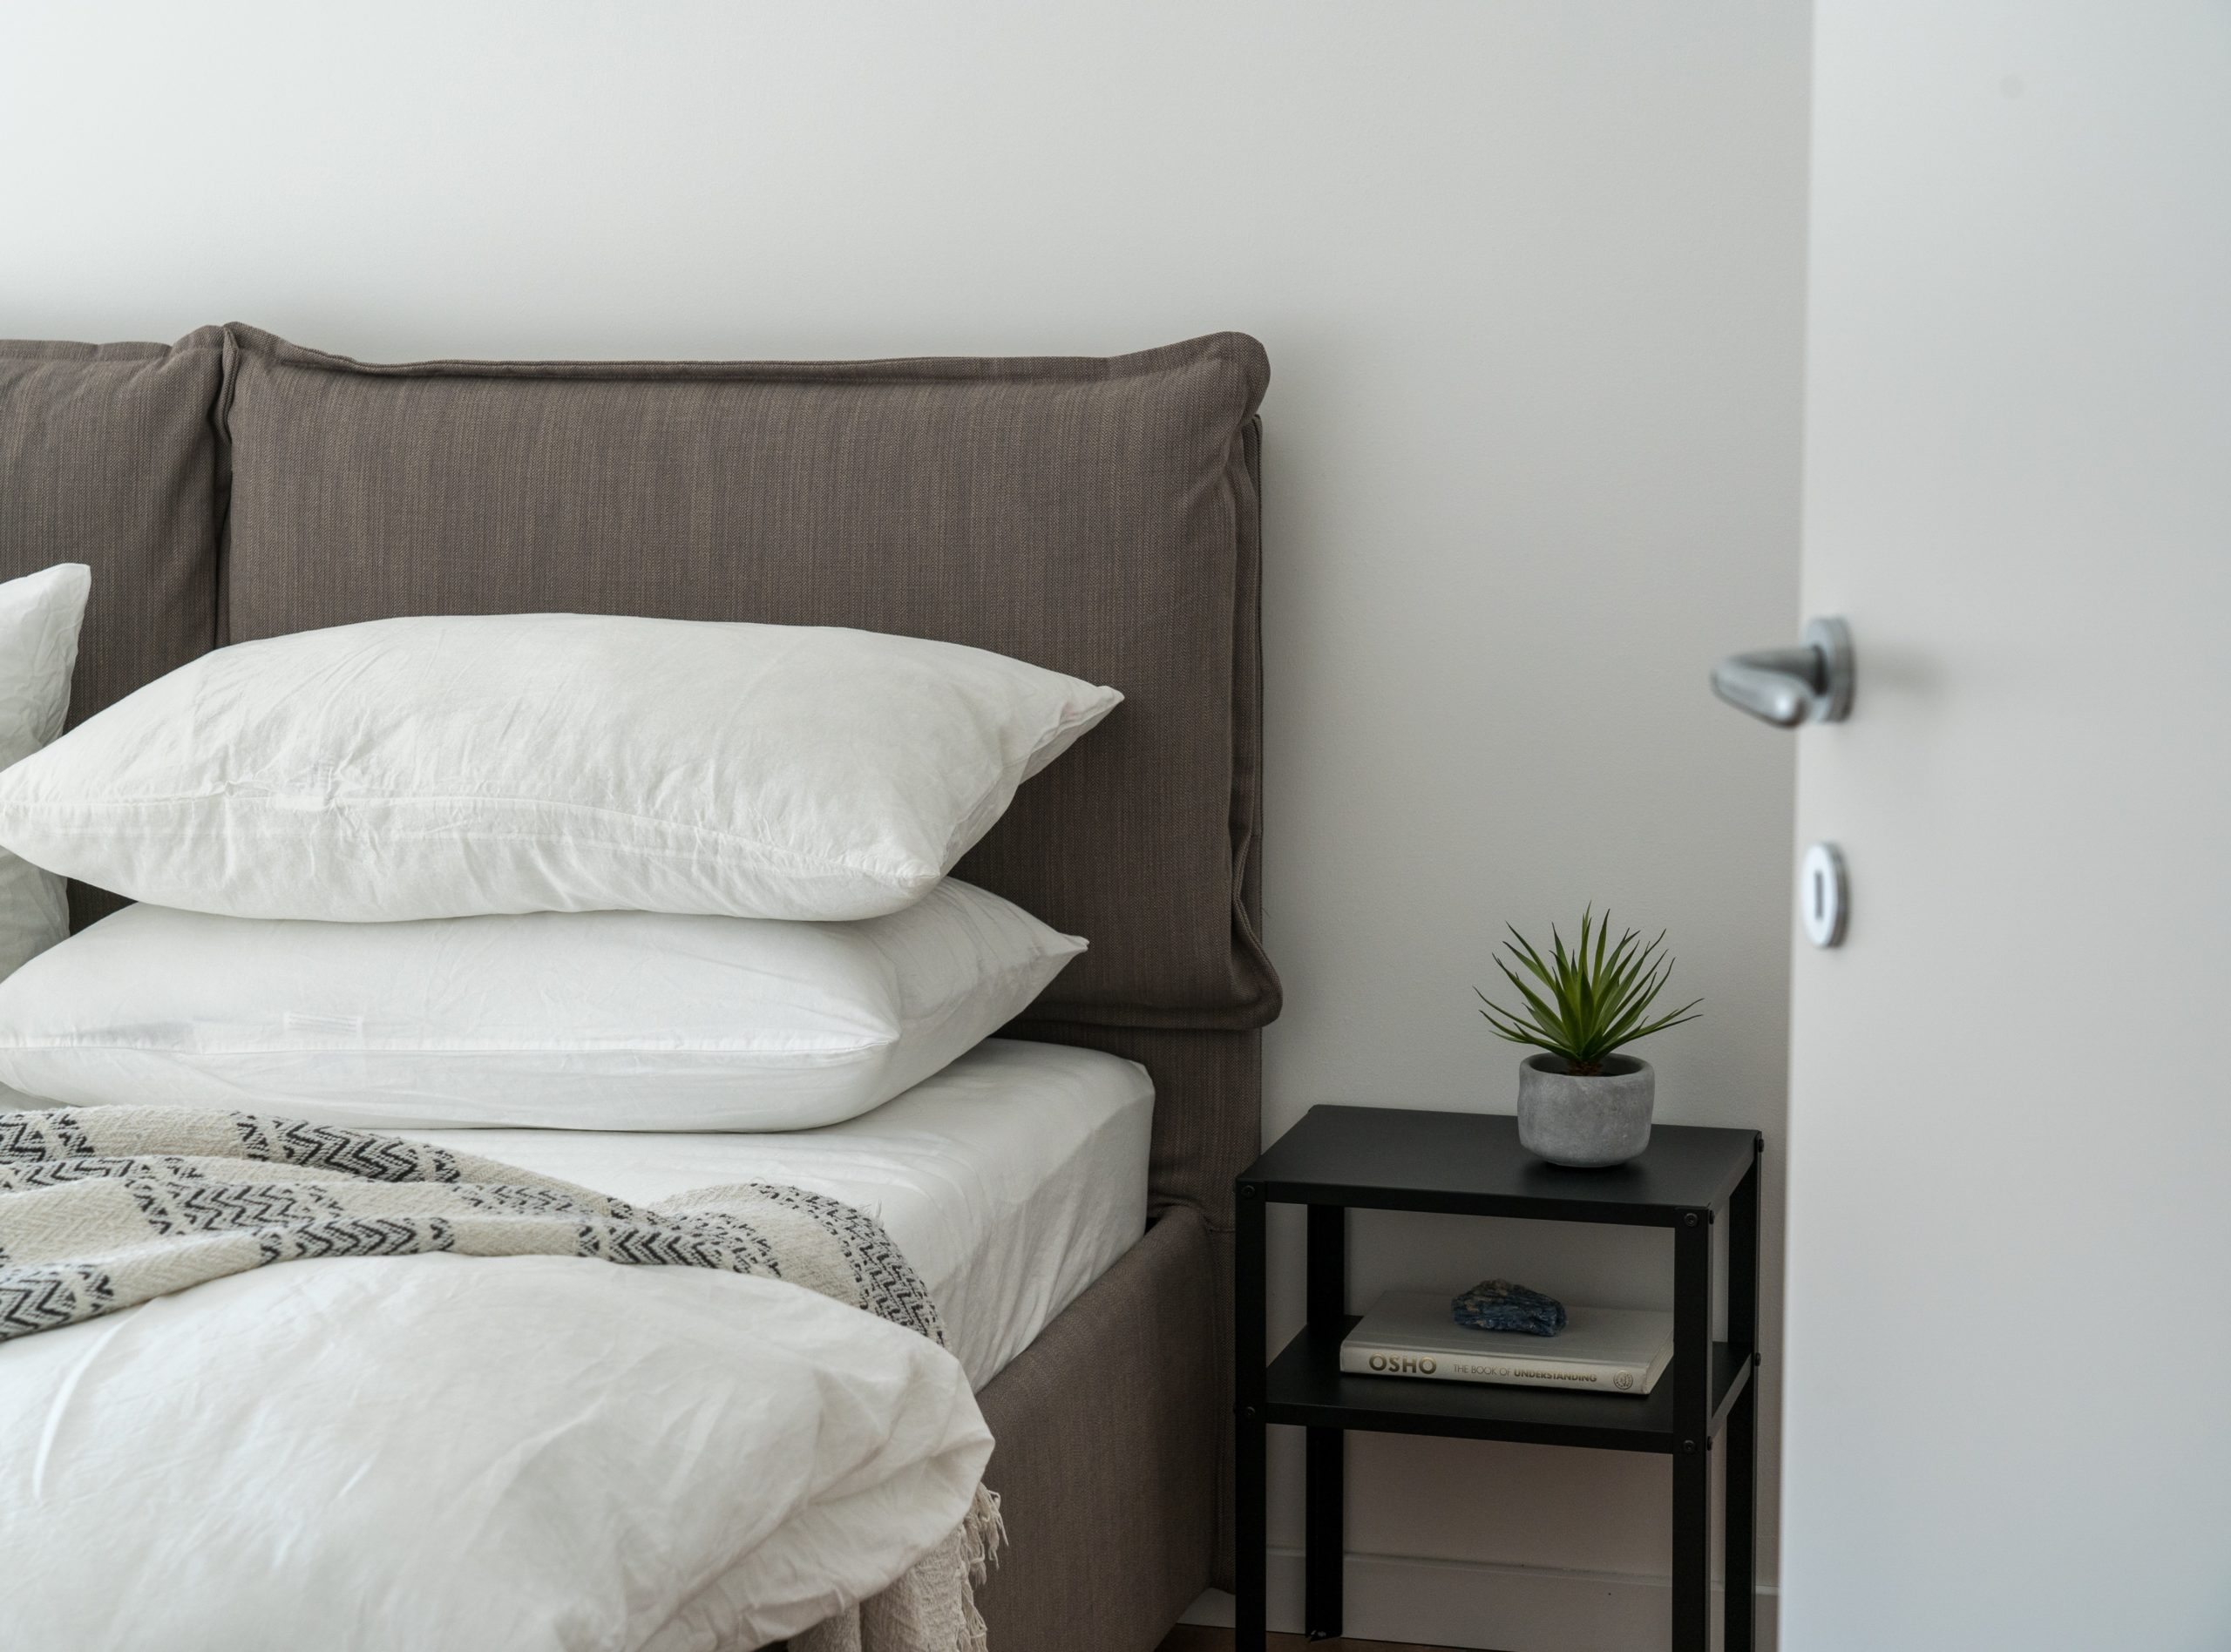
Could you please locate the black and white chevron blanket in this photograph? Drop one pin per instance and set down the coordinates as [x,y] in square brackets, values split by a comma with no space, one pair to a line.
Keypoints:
[101,1209]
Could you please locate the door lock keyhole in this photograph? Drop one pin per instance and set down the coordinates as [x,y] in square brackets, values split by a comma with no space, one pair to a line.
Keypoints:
[1824,895]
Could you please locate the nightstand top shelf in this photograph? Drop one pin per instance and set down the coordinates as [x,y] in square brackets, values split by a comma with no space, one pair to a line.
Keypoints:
[1471,1164]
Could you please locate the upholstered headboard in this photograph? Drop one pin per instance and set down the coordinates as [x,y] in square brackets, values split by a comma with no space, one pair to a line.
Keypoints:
[108,456]
[1099,516]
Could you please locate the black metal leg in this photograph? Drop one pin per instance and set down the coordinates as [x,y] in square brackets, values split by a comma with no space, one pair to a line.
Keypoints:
[1741,1609]
[1326,1516]
[1692,1375]
[1248,1534]
[1248,1580]
[1692,1551]
[1741,1516]
[1327,1533]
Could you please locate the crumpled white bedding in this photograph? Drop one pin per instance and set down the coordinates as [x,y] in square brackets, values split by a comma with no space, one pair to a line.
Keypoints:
[439,1453]
[354,1456]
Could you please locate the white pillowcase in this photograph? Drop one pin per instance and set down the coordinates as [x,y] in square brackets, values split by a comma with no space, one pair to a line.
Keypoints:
[39,617]
[452,766]
[568,1020]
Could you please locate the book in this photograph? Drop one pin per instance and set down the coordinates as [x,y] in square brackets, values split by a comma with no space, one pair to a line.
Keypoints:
[1610,1351]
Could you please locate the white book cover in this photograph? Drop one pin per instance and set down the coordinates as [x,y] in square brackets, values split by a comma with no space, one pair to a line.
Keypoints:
[1412,1333]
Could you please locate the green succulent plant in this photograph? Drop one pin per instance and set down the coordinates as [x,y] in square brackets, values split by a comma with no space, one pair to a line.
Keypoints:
[1591,1002]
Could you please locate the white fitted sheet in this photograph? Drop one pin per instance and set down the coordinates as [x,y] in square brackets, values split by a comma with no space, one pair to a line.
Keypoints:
[1011,1181]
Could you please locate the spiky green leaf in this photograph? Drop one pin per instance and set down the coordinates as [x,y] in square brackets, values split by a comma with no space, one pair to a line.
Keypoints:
[1587,1000]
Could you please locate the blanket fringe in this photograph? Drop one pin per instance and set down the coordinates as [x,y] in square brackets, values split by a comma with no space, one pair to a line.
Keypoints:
[983,1533]
[932,1607]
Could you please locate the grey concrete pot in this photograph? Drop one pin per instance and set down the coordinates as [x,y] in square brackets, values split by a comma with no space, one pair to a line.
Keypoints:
[1587,1123]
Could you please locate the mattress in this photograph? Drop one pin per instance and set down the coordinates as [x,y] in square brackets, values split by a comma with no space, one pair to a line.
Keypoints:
[1011,1181]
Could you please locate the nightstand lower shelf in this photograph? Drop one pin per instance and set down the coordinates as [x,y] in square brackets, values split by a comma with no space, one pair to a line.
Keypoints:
[1305,1386]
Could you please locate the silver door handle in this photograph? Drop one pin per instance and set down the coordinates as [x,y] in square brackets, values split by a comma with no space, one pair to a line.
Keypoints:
[1786,686]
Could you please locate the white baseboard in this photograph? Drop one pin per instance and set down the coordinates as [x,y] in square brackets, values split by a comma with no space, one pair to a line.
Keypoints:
[1467,1603]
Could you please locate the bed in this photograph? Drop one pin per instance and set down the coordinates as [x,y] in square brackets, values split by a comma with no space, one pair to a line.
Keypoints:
[1095,516]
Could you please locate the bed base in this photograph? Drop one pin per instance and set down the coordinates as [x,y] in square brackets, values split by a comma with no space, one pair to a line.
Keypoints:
[1108,1428]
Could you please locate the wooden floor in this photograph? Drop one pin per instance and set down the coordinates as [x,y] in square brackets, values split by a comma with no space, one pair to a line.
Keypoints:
[1187,1638]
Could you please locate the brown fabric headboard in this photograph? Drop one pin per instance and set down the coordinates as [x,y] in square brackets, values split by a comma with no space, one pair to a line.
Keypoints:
[108,456]
[1095,516]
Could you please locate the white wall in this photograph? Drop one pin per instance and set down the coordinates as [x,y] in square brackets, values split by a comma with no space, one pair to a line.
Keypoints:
[1531,279]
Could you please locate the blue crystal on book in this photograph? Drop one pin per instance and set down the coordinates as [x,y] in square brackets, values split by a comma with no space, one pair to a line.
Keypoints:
[1496,1304]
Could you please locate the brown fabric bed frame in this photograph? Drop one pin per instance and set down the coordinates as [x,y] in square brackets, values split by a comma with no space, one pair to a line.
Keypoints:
[1098,516]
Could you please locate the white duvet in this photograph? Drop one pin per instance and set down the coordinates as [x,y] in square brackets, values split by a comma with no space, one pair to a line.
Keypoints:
[438,1451]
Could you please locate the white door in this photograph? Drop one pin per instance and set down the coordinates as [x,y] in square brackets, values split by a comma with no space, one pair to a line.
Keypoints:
[2009,1321]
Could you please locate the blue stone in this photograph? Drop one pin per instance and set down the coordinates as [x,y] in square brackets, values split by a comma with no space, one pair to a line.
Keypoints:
[1496,1304]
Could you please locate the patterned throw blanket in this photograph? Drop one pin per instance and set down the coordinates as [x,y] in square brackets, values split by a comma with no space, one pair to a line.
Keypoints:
[101,1209]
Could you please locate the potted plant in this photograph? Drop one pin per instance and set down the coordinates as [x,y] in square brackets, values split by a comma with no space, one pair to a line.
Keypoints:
[1580,1104]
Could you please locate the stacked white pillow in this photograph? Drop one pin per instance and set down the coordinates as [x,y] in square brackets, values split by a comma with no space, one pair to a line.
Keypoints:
[554,869]
[39,617]
[449,767]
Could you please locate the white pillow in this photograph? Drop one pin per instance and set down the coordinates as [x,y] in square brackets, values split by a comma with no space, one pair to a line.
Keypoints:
[447,766]
[39,616]
[569,1020]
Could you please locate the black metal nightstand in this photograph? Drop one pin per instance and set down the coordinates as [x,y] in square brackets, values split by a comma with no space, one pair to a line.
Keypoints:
[1339,1159]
